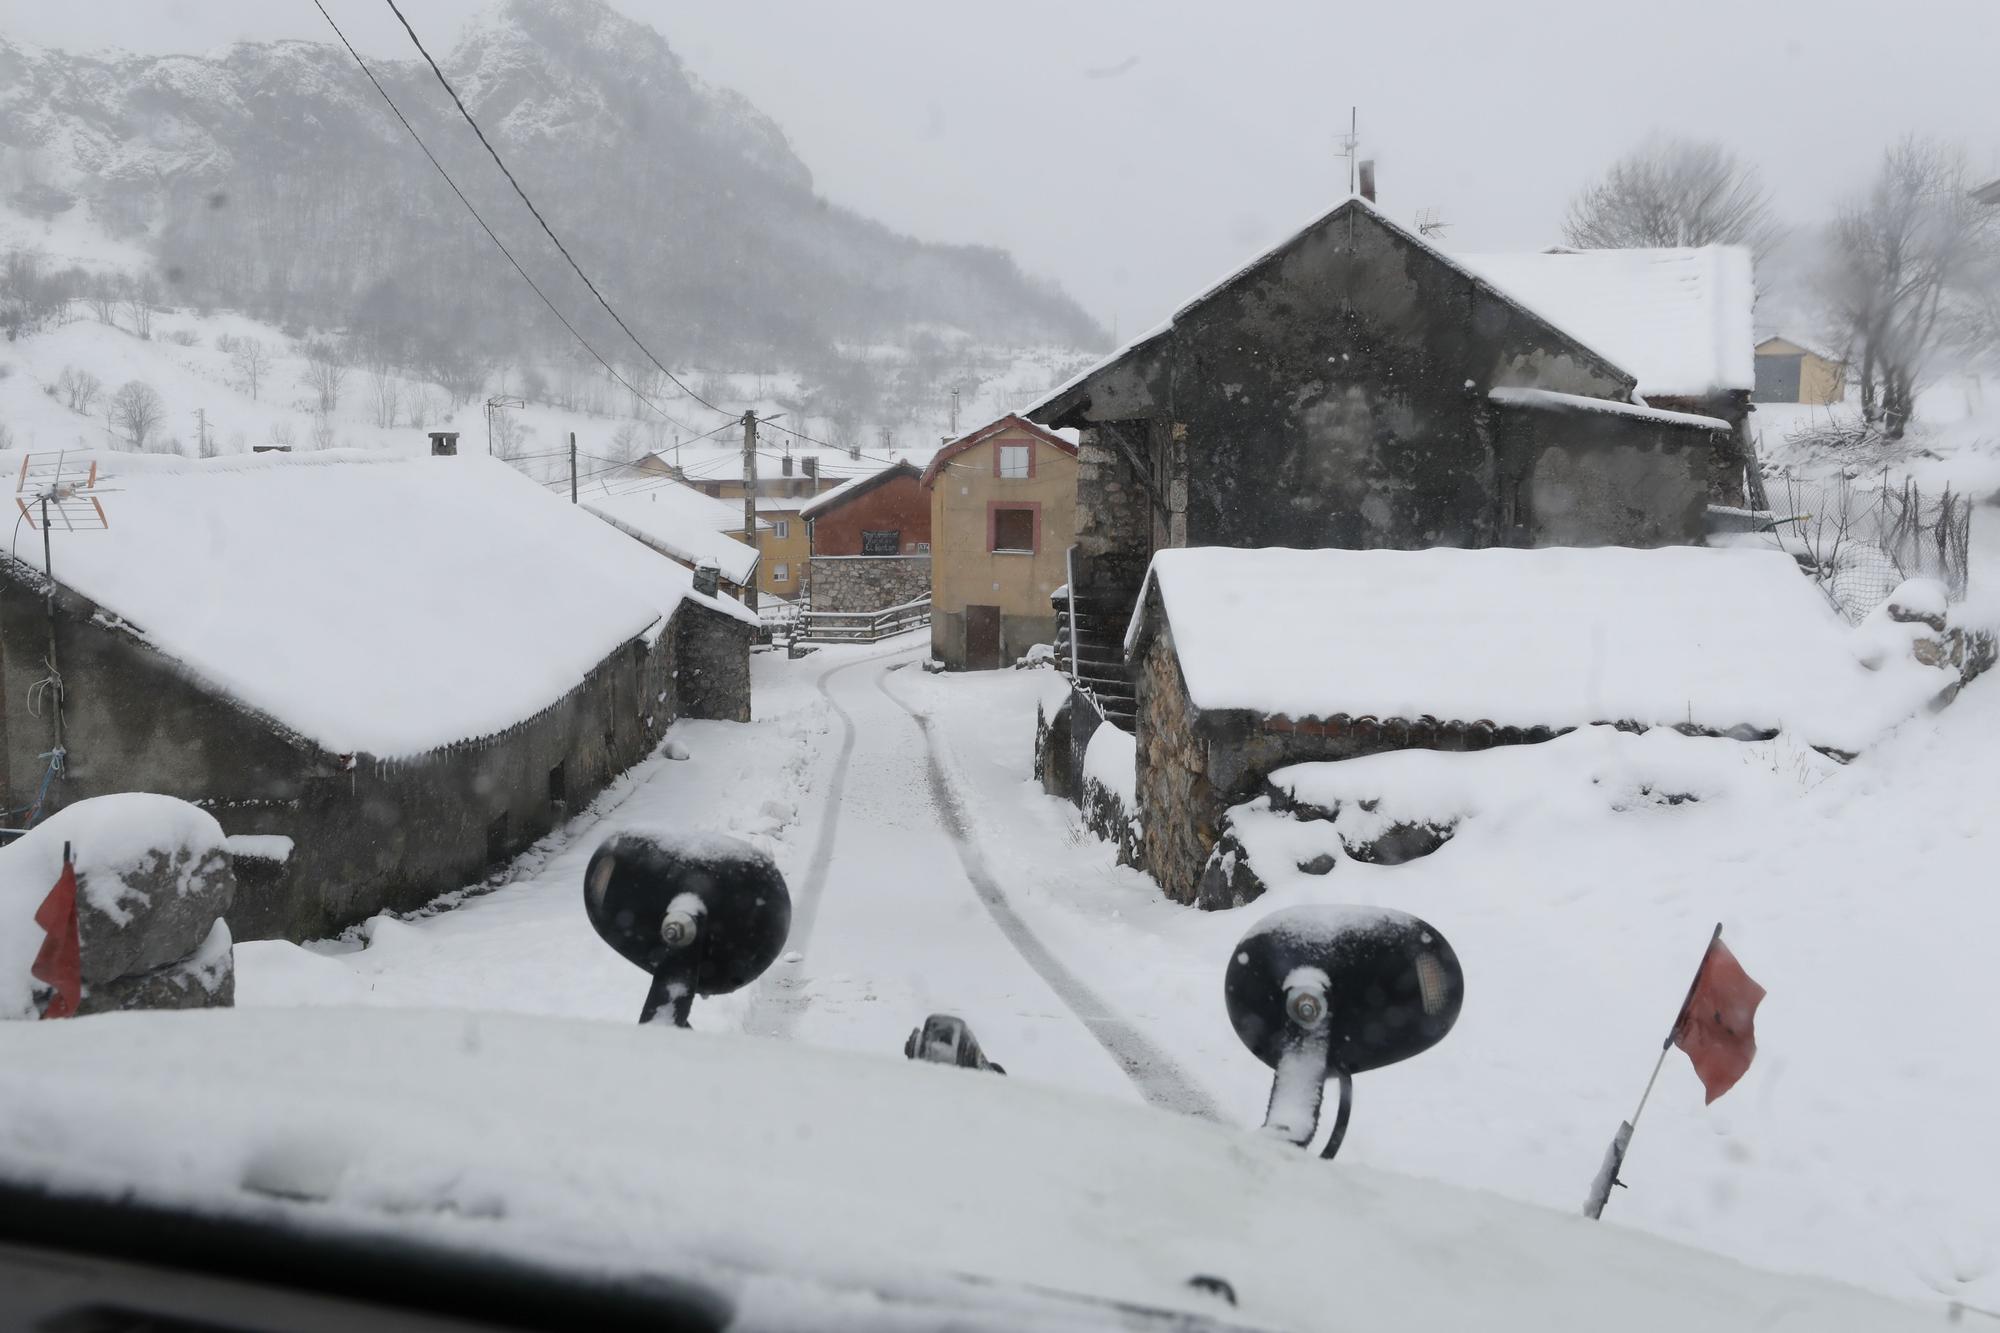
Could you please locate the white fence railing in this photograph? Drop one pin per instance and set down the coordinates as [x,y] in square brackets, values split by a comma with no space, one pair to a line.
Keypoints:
[863,626]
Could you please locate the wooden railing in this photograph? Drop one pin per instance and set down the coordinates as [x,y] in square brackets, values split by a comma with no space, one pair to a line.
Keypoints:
[863,626]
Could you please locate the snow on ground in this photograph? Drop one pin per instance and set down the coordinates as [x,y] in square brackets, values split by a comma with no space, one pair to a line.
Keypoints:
[1855,1148]
[1856,1144]
[738,1165]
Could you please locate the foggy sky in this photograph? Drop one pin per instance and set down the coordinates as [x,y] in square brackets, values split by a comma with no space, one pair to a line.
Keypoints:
[1135,150]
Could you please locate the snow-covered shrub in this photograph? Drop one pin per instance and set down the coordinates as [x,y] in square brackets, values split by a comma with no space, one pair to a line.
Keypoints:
[181,337]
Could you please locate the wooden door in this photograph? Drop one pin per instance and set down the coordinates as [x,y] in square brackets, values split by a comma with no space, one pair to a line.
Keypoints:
[982,638]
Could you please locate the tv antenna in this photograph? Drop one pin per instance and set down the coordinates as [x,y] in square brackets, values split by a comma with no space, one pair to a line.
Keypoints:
[1430,223]
[52,491]
[1349,142]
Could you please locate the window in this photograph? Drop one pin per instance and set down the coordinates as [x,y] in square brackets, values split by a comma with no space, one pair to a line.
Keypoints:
[781,573]
[1016,462]
[881,543]
[784,528]
[1013,529]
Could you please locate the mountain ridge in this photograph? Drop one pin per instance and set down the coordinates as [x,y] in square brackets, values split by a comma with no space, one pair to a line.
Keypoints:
[269,177]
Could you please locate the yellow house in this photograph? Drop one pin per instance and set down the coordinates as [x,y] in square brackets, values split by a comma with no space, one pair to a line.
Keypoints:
[1003,515]
[784,546]
[1790,373]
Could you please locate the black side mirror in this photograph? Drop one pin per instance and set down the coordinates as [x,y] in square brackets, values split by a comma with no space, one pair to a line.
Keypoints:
[1329,992]
[705,915]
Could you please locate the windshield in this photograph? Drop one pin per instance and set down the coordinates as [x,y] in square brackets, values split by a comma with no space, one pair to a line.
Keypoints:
[1058,615]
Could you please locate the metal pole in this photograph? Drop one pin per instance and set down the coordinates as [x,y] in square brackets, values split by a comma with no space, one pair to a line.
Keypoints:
[750,500]
[55,671]
[1614,1156]
[572,467]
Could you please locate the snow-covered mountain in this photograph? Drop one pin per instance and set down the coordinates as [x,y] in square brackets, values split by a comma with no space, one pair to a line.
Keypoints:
[270,178]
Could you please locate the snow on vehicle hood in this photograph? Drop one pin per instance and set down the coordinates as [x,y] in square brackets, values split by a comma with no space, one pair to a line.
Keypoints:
[635,1152]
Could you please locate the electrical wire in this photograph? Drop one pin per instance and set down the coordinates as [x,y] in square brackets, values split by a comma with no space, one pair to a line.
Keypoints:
[560,317]
[494,154]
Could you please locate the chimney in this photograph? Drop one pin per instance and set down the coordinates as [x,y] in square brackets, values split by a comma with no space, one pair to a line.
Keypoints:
[444,444]
[785,465]
[1368,179]
[811,465]
[707,578]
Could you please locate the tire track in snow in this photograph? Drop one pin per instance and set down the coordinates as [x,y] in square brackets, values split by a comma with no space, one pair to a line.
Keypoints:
[1156,1074]
[780,1000]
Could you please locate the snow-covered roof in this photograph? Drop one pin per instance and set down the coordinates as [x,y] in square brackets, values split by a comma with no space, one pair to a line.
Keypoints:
[1050,400]
[854,486]
[1678,319]
[800,1187]
[677,520]
[1557,637]
[370,602]
[1577,402]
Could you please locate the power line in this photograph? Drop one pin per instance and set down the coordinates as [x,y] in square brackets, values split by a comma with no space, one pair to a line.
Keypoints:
[609,368]
[494,154]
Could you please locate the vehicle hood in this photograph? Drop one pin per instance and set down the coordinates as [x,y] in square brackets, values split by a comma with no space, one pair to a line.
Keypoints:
[650,1152]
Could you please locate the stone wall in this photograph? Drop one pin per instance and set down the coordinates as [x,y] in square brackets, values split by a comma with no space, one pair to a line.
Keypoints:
[370,834]
[1579,477]
[868,582]
[1180,812]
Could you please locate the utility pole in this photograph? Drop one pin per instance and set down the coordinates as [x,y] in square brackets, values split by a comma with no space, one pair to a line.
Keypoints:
[572,467]
[201,432]
[954,413]
[750,498]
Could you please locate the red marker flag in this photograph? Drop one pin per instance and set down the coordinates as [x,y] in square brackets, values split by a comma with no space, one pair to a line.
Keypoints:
[60,961]
[1717,1025]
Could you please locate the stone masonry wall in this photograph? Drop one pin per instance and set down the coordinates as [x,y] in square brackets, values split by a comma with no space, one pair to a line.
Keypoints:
[868,582]
[1180,812]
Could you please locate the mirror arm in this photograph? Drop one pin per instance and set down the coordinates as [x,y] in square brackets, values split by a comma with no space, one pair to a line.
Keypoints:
[1340,1117]
[673,987]
[1297,1086]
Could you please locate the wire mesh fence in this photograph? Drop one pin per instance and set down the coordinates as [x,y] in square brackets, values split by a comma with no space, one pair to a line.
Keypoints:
[1860,539]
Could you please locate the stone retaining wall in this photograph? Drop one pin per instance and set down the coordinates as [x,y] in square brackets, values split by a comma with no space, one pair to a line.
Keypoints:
[868,582]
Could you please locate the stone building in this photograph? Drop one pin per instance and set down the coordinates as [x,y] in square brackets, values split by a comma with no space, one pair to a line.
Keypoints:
[1003,515]
[399,671]
[1247,661]
[871,541]
[1356,387]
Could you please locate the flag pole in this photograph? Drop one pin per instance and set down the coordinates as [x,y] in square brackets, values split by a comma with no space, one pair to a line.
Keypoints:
[1614,1156]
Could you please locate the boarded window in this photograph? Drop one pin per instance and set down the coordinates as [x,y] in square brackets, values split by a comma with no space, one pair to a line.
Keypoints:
[881,543]
[1016,460]
[1014,530]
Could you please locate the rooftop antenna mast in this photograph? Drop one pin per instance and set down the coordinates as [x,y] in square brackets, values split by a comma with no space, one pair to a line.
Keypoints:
[1349,142]
[52,491]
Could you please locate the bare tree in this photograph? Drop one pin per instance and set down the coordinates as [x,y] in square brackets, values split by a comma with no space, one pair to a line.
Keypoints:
[282,434]
[322,431]
[252,361]
[79,388]
[1674,192]
[137,410]
[101,292]
[1904,270]
[508,434]
[386,395]
[142,297]
[625,444]
[325,373]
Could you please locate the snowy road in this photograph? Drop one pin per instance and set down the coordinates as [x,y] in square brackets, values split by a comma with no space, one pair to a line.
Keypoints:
[897,914]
